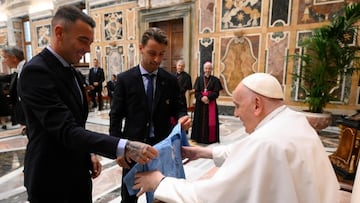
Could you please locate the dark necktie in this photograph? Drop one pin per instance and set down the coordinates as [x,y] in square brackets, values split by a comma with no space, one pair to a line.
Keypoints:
[76,80]
[150,90]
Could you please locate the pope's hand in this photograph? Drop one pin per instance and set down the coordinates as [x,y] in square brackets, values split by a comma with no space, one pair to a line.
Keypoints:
[185,122]
[147,181]
[139,152]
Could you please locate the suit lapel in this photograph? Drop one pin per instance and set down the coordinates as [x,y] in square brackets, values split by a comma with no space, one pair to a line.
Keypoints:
[65,73]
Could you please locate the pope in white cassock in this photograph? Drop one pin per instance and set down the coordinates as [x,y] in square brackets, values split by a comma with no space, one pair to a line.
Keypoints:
[281,160]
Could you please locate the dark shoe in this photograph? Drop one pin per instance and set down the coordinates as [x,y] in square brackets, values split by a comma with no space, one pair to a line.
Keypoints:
[4,127]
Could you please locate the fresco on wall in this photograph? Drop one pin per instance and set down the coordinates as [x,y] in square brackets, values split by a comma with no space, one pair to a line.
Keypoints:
[113,26]
[277,46]
[240,13]
[43,34]
[207,12]
[238,62]
[114,60]
[279,12]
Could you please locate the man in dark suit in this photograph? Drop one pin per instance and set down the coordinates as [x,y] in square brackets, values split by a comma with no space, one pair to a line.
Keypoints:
[14,59]
[132,101]
[96,78]
[184,80]
[59,163]
[110,86]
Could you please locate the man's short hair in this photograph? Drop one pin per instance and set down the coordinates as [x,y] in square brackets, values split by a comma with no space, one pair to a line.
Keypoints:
[69,14]
[156,34]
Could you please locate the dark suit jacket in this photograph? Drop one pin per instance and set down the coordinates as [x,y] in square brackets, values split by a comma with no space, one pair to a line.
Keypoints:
[96,77]
[129,102]
[11,79]
[57,160]
[110,86]
[17,115]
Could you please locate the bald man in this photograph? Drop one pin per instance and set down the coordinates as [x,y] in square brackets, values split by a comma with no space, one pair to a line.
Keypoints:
[281,160]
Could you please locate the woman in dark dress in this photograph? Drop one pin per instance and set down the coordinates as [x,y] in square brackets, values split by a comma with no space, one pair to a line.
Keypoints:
[205,128]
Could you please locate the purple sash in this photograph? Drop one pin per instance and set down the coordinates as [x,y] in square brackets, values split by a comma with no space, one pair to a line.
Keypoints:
[211,117]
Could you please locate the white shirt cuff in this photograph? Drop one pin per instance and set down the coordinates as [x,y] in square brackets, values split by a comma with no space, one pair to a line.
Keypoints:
[120,151]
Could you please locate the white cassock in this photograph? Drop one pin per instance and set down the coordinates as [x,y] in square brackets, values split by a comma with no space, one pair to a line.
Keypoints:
[283,160]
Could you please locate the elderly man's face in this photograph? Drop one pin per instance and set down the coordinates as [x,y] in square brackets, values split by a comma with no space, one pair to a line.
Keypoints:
[180,66]
[207,69]
[10,61]
[244,100]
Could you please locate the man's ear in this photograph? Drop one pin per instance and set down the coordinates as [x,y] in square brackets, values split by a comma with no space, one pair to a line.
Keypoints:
[58,32]
[259,105]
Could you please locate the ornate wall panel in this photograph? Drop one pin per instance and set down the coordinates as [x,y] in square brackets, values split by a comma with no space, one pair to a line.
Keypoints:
[40,33]
[99,24]
[340,92]
[207,16]
[114,35]
[206,53]
[297,92]
[131,27]
[113,26]
[43,33]
[114,60]
[313,11]
[131,55]
[277,47]
[279,12]
[240,14]
[238,36]
[3,37]
[238,61]
[18,33]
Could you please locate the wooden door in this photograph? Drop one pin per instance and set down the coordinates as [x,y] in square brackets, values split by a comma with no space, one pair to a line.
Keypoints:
[174,30]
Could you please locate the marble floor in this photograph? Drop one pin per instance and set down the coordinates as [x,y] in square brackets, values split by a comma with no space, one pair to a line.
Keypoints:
[107,185]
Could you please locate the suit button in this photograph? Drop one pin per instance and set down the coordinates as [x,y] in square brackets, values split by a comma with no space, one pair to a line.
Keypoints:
[147,124]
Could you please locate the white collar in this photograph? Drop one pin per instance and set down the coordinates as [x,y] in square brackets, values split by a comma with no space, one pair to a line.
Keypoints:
[271,116]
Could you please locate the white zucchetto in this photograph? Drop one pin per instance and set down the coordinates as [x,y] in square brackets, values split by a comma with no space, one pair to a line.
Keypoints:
[264,84]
